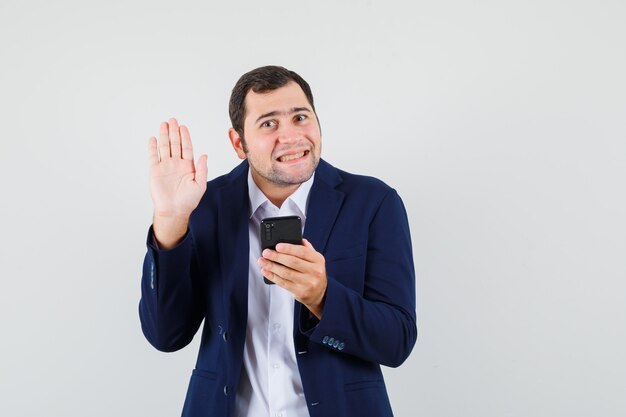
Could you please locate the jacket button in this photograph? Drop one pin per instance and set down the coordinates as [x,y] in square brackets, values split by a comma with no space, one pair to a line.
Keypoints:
[325,339]
[336,343]
[226,390]
[341,346]
[152,274]
[330,341]
[225,336]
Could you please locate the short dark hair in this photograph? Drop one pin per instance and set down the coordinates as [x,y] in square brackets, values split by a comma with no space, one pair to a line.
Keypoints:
[261,80]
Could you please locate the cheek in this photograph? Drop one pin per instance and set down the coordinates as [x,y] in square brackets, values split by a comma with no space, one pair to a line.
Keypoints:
[262,146]
[313,132]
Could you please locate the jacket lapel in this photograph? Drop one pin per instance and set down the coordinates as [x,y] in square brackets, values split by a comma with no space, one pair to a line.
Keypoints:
[323,207]
[324,204]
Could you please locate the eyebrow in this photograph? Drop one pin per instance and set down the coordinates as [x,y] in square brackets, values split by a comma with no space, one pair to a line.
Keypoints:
[276,112]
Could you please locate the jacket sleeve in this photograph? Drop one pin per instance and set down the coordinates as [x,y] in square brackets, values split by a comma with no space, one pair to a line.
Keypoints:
[378,325]
[171,306]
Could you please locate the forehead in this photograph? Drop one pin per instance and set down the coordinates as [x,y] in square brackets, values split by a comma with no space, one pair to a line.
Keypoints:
[286,97]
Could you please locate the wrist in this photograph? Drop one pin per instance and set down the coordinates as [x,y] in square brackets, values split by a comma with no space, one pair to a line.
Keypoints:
[318,308]
[171,215]
[169,231]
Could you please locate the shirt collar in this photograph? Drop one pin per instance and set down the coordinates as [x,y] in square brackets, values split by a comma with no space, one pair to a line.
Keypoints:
[300,197]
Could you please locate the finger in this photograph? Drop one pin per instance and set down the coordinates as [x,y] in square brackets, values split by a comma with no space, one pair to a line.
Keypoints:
[153,153]
[278,270]
[280,281]
[290,261]
[174,138]
[274,278]
[300,251]
[264,265]
[186,146]
[164,142]
[201,170]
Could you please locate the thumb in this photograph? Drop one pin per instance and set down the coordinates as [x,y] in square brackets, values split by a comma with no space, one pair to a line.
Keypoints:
[201,170]
[307,244]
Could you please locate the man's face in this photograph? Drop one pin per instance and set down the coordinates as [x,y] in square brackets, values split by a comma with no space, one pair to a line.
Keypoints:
[282,137]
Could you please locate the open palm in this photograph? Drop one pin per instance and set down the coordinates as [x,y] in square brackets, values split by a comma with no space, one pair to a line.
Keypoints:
[176,184]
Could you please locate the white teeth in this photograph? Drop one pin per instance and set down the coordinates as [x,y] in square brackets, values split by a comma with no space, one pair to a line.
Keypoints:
[291,157]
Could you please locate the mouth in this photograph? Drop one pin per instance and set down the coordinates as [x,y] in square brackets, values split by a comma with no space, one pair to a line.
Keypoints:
[293,156]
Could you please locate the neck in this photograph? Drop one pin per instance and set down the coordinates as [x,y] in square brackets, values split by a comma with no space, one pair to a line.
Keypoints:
[275,193]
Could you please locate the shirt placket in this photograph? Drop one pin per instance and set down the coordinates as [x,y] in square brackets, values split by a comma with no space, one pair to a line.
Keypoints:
[275,342]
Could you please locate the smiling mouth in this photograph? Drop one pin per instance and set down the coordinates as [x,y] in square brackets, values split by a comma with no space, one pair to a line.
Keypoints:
[287,158]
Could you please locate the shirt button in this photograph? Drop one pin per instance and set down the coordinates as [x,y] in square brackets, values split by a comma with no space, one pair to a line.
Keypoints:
[279,414]
[276,366]
[276,326]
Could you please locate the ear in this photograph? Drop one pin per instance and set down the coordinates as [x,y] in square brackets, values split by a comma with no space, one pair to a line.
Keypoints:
[235,140]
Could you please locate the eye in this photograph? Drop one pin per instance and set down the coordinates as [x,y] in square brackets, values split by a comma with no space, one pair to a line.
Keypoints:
[301,117]
[268,123]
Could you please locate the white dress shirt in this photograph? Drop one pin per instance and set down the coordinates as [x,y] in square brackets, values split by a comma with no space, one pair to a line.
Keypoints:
[270,383]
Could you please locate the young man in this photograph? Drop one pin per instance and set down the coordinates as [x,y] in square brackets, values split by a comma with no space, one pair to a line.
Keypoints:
[344,300]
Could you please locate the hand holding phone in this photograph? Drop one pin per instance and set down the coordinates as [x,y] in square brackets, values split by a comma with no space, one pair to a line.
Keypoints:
[286,229]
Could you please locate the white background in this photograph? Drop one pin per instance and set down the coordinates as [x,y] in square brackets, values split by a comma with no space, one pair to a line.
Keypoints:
[500,123]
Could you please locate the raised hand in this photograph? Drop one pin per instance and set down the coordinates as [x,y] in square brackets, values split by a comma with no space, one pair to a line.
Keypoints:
[176,184]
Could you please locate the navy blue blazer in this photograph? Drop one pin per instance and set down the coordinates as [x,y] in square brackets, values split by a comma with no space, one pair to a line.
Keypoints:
[360,226]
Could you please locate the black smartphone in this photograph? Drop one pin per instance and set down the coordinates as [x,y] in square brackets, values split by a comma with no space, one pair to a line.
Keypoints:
[286,229]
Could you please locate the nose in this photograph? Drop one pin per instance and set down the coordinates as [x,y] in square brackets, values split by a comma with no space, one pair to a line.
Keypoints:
[288,133]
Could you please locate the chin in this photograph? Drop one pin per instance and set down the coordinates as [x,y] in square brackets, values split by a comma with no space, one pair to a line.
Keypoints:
[291,180]
[288,177]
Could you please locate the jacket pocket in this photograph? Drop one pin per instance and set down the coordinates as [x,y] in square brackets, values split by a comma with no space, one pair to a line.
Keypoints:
[349,271]
[356,386]
[369,398]
[347,253]
[204,374]
[203,399]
